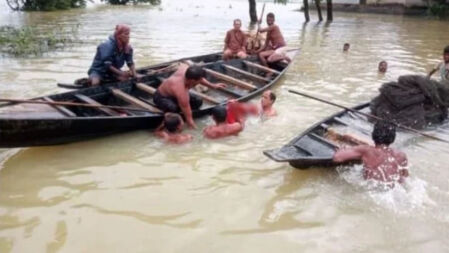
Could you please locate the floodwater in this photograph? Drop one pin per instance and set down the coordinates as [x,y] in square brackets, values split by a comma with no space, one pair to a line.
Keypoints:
[133,193]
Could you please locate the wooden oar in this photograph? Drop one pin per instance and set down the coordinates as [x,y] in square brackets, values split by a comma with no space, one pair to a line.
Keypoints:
[24,101]
[368,115]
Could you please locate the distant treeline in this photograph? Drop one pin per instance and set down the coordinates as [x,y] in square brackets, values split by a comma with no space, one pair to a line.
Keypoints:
[50,5]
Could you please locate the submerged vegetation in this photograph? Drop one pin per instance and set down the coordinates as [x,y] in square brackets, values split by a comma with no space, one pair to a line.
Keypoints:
[31,41]
[439,9]
[123,2]
[50,5]
[44,5]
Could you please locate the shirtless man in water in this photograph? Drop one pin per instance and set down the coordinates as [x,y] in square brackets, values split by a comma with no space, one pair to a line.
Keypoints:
[380,162]
[221,128]
[275,48]
[237,112]
[173,94]
[171,129]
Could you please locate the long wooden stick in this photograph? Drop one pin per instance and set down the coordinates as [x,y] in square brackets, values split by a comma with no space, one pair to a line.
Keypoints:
[24,101]
[369,116]
[259,22]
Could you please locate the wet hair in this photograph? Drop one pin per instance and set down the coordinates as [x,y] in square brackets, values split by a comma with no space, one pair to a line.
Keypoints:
[195,73]
[171,123]
[237,20]
[270,15]
[219,113]
[383,133]
[272,96]
[446,50]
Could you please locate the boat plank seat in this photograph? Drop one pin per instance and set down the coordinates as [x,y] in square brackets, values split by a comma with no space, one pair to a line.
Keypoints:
[150,90]
[60,108]
[90,101]
[315,148]
[258,66]
[226,78]
[230,79]
[134,101]
[247,74]
[328,142]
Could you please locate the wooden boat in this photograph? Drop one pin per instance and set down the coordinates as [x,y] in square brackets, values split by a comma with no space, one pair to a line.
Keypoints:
[317,145]
[24,125]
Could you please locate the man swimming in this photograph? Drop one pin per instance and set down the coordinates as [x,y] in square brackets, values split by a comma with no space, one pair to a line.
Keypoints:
[171,129]
[221,128]
[381,163]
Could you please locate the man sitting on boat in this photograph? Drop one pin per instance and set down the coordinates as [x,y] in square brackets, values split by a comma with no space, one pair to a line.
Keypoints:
[222,128]
[275,48]
[173,94]
[111,56]
[381,163]
[171,129]
[235,42]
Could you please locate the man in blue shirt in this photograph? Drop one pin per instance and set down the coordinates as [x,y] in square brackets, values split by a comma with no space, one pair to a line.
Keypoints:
[111,56]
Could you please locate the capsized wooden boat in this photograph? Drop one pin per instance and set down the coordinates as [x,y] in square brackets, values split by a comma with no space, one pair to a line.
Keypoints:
[24,125]
[316,145]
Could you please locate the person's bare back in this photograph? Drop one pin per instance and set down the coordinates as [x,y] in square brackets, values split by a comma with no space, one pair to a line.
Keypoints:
[175,138]
[222,130]
[174,86]
[381,163]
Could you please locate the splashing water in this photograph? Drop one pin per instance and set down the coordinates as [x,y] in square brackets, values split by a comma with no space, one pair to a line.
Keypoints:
[401,198]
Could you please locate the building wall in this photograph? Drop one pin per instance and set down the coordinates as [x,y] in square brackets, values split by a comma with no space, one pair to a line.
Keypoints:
[407,3]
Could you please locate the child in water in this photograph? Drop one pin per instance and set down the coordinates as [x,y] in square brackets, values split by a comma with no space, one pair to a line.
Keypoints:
[171,129]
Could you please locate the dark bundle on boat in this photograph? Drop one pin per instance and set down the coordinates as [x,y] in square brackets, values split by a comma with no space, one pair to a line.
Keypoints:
[413,101]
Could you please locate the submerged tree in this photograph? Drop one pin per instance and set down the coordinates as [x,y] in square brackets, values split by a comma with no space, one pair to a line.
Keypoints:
[318,8]
[306,10]
[329,10]
[252,11]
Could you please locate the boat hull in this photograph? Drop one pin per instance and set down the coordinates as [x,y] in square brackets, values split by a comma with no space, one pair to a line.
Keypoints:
[23,128]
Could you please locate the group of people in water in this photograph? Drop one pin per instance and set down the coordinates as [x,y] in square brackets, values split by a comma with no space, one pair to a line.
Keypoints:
[173,96]
[381,162]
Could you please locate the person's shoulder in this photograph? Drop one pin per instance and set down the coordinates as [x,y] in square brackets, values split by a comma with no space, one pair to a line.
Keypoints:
[109,43]
[365,149]
[400,154]
[439,64]
[275,27]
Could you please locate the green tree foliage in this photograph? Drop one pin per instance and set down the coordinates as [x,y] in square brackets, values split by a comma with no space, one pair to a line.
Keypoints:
[123,2]
[44,5]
